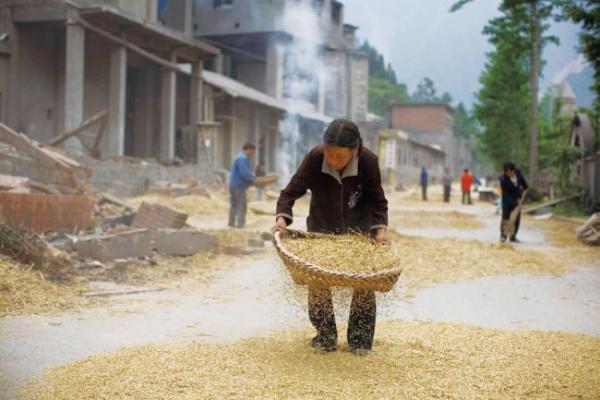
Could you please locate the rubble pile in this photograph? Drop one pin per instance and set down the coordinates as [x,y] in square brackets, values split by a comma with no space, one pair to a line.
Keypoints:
[589,232]
[56,227]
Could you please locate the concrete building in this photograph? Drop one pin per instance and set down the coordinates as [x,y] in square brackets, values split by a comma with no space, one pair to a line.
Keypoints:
[240,114]
[261,39]
[433,124]
[298,52]
[66,60]
[401,158]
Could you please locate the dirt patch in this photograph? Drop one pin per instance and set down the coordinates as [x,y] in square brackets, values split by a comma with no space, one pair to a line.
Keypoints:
[410,360]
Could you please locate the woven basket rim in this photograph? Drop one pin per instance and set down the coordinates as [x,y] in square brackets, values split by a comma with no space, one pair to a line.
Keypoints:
[388,272]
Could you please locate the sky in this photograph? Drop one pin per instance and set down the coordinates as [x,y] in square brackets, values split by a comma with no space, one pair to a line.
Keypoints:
[421,38]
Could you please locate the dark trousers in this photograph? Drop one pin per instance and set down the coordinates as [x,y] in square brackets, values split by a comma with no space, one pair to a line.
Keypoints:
[466,198]
[237,207]
[361,323]
[505,217]
[446,193]
[424,192]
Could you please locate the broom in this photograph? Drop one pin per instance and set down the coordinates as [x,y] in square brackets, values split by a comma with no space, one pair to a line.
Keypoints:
[509,225]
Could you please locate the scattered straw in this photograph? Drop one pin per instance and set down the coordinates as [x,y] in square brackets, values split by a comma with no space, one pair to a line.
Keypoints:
[438,220]
[344,253]
[561,233]
[193,205]
[409,361]
[25,291]
[427,262]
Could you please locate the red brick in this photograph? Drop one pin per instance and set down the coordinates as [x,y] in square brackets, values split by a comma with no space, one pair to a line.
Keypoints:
[46,212]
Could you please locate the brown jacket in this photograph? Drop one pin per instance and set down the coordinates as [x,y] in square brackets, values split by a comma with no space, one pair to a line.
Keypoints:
[353,201]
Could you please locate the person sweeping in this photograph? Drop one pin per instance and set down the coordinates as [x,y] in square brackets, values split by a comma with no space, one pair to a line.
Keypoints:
[514,188]
[345,181]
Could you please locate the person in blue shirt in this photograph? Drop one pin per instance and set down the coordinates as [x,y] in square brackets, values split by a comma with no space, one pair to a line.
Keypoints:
[240,178]
[424,183]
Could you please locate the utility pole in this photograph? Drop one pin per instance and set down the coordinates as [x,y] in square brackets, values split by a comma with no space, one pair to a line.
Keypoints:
[534,82]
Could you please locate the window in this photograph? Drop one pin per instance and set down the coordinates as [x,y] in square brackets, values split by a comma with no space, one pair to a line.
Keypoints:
[222,4]
[318,6]
[336,12]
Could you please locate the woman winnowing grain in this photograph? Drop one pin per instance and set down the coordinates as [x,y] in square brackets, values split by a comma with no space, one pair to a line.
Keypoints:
[345,182]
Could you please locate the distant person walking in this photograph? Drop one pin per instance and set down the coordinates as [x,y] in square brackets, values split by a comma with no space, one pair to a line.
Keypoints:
[466,181]
[513,185]
[260,171]
[447,184]
[240,178]
[424,183]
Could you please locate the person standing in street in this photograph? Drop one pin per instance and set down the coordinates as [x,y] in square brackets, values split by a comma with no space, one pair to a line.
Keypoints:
[260,171]
[424,183]
[345,181]
[466,181]
[513,185]
[447,184]
[240,178]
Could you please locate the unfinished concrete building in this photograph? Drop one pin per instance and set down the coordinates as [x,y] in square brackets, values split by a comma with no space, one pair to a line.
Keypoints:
[258,42]
[62,62]
[315,75]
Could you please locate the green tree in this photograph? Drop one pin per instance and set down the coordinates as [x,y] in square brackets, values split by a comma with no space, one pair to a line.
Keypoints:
[502,102]
[384,89]
[533,16]
[465,124]
[425,92]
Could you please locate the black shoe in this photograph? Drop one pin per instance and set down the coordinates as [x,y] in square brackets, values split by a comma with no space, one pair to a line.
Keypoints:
[322,343]
[514,240]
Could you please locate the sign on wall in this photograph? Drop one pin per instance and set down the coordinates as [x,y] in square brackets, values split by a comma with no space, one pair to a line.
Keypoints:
[390,153]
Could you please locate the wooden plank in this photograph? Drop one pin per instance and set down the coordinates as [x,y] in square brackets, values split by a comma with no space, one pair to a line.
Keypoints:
[73,132]
[27,146]
[529,210]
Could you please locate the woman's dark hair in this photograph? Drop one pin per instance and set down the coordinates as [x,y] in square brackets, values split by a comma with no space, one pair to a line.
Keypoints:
[342,133]
[509,166]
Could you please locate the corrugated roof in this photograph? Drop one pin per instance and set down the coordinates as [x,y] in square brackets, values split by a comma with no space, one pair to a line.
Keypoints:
[238,89]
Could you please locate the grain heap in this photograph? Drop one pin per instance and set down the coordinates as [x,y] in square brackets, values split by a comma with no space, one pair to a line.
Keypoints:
[437,220]
[344,253]
[421,360]
[24,290]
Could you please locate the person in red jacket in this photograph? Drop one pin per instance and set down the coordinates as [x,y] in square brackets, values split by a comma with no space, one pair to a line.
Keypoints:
[466,181]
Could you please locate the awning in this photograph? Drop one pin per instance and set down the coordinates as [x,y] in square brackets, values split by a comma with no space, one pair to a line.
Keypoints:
[237,89]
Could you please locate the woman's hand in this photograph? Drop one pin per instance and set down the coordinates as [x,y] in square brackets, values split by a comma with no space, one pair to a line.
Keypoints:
[381,236]
[280,225]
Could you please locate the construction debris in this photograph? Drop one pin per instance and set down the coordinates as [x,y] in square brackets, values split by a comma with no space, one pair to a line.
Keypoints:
[127,244]
[589,232]
[183,242]
[153,215]
[185,187]
[46,165]
[42,212]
